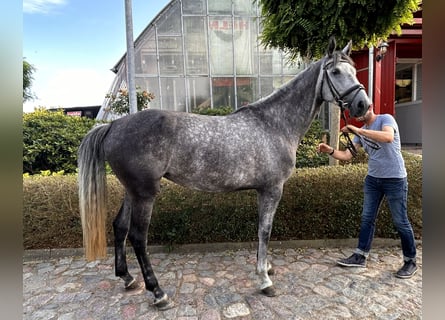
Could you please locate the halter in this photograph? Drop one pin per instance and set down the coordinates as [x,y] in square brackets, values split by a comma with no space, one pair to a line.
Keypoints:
[342,104]
[337,95]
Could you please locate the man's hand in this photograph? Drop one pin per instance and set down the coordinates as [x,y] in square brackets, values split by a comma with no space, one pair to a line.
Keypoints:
[325,148]
[350,129]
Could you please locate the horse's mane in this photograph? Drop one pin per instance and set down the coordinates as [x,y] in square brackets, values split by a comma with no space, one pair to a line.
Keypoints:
[338,56]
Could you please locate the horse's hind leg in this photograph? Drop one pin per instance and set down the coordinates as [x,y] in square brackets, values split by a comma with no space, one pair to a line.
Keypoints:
[267,204]
[140,220]
[121,226]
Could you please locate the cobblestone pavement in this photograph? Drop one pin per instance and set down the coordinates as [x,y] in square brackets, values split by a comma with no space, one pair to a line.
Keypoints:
[224,285]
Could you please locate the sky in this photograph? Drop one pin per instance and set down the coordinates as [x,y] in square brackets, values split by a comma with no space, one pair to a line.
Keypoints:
[73,44]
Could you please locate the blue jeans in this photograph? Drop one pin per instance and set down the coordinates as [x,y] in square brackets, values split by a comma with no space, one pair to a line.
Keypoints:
[396,192]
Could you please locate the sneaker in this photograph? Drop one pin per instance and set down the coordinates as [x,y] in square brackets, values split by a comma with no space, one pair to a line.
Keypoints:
[408,270]
[355,260]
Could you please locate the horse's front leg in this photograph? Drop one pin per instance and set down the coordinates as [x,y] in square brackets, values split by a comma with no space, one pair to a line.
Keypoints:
[140,219]
[268,200]
[121,226]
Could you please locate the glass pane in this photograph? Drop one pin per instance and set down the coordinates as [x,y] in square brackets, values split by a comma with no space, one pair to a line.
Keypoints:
[146,63]
[169,44]
[266,85]
[279,81]
[223,92]
[171,64]
[404,85]
[195,45]
[245,44]
[220,7]
[171,59]
[244,7]
[247,90]
[173,94]
[170,21]
[277,63]
[151,85]
[199,92]
[145,54]
[266,62]
[197,64]
[221,45]
[148,41]
[194,6]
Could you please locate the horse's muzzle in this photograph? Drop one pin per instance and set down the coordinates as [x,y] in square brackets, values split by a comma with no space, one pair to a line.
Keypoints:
[359,105]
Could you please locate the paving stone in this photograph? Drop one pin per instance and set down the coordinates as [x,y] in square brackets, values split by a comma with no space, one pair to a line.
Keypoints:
[236,310]
[224,285]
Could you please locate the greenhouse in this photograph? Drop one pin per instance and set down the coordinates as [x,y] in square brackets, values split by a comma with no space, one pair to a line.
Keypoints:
[204,53]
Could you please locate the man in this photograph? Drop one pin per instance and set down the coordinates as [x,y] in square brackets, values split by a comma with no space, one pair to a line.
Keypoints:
[379,136]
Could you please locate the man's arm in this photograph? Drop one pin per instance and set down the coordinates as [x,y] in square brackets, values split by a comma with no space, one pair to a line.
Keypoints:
[343,155]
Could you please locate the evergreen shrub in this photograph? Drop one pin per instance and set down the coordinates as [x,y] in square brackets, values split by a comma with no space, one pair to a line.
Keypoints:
[51,140]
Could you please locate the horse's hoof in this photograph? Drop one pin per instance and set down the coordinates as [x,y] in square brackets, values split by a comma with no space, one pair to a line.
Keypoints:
[269,291]
[163,303]
[131,285]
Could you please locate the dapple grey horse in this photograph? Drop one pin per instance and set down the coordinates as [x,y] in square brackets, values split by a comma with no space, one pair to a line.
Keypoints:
[252,148]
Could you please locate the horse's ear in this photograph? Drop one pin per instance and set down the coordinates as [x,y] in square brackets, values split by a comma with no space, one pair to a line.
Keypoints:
[331,46]
[347,50]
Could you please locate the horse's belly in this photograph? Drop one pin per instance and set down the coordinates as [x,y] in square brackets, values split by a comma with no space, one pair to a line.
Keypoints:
[230,178]
[212,181]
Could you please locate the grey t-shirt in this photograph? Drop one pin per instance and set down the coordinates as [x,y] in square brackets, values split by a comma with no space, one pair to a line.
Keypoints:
[386,162]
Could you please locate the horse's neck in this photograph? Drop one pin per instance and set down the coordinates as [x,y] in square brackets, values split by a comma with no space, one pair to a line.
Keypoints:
[293,107]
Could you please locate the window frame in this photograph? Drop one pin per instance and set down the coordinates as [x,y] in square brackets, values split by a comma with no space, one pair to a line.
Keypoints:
[416,77]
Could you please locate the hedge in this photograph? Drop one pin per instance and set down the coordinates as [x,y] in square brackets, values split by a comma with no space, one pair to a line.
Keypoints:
[318,203]
[51,139]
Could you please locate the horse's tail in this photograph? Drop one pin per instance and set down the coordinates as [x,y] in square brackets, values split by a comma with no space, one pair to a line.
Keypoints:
[92,192]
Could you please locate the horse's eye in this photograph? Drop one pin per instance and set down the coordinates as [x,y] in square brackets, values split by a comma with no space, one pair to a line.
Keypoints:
[335,71]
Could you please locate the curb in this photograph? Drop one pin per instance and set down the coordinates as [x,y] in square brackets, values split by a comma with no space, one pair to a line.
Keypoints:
[47,254]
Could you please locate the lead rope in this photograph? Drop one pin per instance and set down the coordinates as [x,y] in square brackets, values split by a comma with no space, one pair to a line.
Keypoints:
[349,144]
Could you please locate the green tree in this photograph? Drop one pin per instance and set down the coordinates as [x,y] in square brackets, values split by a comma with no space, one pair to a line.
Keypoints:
[28,71]
[304,26]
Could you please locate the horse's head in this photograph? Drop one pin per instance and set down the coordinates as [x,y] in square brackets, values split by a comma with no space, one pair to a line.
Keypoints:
[340,84]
